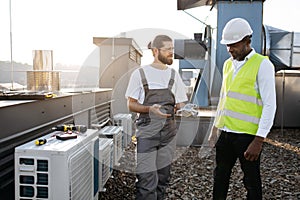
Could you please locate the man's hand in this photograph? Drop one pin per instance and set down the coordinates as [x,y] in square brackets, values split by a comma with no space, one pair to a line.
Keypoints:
[155,109]
[213,137]
[254,149]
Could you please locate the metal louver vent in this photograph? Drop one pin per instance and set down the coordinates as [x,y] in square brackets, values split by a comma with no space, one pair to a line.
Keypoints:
[81,165]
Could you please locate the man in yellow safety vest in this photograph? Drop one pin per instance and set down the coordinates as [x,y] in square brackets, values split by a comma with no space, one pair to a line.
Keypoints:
[245,111]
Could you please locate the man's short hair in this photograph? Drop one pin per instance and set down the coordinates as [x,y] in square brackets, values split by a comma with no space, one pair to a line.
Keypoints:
[158,41]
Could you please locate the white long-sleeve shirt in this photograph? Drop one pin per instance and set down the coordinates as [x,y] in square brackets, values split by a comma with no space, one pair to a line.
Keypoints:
[265,85]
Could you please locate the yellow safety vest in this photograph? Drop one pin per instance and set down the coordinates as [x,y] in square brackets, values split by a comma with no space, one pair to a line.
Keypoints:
[240,105]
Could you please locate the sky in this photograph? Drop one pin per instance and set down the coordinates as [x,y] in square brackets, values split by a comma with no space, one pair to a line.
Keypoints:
[68,26]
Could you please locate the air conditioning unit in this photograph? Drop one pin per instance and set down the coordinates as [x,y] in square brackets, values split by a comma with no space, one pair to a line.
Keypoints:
[115,133]
[58,169]
[106,153]
[124,120]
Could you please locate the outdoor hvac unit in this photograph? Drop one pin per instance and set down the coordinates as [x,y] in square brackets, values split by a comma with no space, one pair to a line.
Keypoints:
[58,169]
[106,153]
[125,121]
[115,133]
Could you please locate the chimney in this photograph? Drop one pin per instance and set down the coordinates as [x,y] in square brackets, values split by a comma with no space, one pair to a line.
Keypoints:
[43,77]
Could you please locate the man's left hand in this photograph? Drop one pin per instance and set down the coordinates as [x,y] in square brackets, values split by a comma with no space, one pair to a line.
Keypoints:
[254,149]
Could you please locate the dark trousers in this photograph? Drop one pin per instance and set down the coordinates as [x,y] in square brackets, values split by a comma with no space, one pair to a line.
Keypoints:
[156,144]
[229,148]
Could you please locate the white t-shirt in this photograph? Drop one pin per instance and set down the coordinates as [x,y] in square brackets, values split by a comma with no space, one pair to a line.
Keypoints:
[157,79]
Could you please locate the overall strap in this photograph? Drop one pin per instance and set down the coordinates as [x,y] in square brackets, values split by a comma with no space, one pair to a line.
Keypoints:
[171,82]
[144,80]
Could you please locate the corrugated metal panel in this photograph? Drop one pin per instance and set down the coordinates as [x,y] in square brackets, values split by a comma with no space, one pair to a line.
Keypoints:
[288,99]
[283,48]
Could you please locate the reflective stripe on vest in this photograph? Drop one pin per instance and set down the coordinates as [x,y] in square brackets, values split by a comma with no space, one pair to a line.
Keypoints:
[241,116]
[244,97]
[240,105]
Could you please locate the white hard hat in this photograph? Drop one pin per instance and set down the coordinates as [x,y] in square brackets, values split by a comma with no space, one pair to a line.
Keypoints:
[235,30]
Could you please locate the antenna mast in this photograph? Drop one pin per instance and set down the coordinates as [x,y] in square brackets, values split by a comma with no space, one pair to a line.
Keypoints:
[11,50]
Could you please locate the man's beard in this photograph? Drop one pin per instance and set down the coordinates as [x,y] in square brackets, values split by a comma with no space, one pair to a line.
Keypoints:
[165,60]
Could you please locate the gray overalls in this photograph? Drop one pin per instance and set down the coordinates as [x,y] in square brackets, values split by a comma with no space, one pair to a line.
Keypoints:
[156,143]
